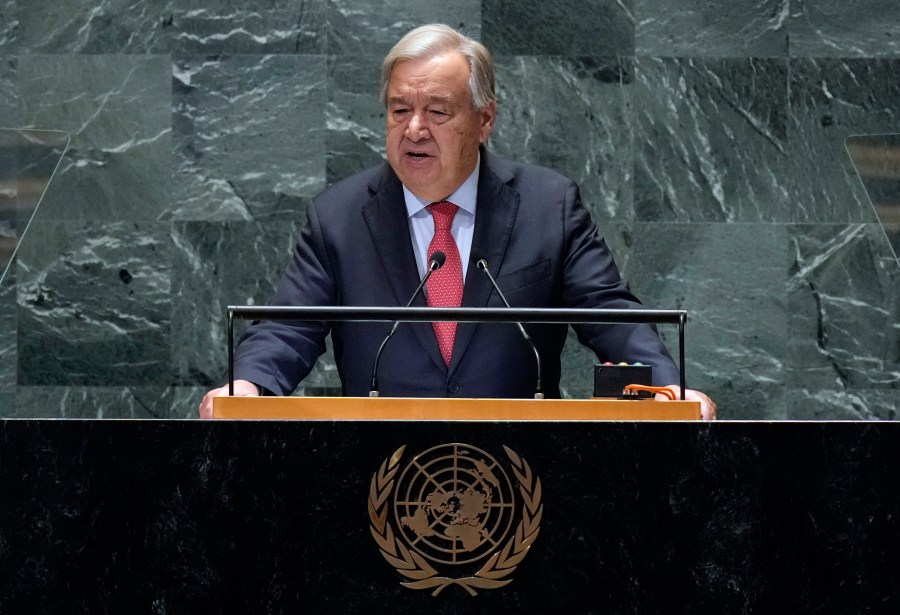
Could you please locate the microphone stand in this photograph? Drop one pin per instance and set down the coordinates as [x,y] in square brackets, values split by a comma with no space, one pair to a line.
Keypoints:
[482,264]
[437,261]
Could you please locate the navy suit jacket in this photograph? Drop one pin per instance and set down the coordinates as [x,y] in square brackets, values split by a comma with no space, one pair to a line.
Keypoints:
[355,250]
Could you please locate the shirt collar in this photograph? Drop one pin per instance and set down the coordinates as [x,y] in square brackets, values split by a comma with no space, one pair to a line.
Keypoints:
[465,197]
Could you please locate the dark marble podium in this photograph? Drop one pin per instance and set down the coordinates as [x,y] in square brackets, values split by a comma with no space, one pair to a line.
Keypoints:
[271,517]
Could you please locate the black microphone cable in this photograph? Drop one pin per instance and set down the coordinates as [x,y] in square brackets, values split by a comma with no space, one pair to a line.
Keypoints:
[436,261]
[481,263]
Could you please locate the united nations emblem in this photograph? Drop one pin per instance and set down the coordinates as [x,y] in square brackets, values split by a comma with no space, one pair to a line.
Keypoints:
[453,516]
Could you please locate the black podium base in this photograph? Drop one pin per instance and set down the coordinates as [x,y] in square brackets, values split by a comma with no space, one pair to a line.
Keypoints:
[273,517]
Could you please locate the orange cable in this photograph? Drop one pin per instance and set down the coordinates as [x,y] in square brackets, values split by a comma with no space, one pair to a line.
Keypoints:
[634,388]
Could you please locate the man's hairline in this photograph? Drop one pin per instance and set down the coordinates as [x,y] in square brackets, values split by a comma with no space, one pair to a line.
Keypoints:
[470,85]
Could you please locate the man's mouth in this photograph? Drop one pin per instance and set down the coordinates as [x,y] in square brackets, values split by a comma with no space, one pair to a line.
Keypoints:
[418,155]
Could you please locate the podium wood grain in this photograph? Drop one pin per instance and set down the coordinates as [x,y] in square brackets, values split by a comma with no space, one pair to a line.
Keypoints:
[443,409]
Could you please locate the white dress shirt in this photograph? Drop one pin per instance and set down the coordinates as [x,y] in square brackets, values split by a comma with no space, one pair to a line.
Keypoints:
[421,223]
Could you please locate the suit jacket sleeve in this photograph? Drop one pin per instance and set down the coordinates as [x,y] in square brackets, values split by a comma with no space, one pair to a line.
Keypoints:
[277,355]
[591,280]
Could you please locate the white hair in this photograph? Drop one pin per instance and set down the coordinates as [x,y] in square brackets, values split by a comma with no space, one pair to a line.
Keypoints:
[432,39]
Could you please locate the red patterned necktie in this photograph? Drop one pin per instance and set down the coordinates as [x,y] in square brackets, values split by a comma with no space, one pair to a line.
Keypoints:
[445,287]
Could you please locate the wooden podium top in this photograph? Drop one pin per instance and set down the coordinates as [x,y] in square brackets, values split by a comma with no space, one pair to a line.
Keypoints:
[444,409]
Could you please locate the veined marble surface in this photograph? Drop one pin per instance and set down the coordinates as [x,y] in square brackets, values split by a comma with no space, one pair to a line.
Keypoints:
[225,26]
[249,134]
[832,99]
[743,28]
[9,103]
[838,29]
[110,26]
[577,122]
[118,110]
[711,141]
[575,28]
[94,308]
[708,140]
[9,24]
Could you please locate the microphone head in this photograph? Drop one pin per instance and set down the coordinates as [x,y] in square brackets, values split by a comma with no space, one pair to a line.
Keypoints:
[437,260]
[478,258]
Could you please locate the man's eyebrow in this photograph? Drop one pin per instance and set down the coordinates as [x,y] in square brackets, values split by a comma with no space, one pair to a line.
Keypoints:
[435,98]
[445,99]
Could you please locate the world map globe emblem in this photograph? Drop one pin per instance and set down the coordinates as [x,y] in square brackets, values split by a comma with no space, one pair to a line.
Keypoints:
[454,503]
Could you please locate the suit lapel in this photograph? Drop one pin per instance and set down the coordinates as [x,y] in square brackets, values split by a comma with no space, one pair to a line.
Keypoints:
[494,220]
[386,218]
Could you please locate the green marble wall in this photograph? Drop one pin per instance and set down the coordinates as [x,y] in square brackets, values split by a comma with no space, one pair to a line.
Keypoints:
[707,137]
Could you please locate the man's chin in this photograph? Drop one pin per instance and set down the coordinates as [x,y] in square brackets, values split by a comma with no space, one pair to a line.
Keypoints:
[423,184]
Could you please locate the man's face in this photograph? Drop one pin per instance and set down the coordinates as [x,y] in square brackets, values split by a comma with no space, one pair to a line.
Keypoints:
[433,133]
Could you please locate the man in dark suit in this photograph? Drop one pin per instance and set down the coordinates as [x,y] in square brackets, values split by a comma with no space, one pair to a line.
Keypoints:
[369,239]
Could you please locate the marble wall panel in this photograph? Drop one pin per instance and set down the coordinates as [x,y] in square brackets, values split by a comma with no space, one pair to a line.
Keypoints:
[843,312]
[731,279]
[832,99]
[577,379]
[355,118]
[268,26]
[86,26]
[699,28]
[572,115]
[699,136]
[711,140]
[99,402]
[363,28]
[9,116]
[8,354]
[214,265]
[117,109]
[767,28]
[9,92]
[94,304]
[575,28]
[841,29]
[9,25]
[809,404]
[249,133]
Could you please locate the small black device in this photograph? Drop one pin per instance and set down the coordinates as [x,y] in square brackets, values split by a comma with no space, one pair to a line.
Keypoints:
[610,379]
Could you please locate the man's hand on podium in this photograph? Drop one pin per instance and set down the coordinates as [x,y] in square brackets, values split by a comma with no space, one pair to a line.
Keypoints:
[242,388]
[245,388]
[707,405]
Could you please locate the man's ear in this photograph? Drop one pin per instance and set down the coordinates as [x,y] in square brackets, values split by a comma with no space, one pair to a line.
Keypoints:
[488,115]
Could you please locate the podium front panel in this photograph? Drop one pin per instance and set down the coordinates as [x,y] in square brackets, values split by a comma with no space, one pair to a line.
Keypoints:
[275,516]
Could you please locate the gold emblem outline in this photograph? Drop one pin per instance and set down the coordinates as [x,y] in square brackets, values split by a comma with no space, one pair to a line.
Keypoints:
[422,574]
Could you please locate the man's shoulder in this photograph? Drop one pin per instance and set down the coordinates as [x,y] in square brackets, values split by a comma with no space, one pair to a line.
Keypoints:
[507,169]
[357,188]
[534,184]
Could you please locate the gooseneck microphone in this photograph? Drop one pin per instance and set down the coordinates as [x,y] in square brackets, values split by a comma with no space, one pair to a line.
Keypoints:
[436,261]
[481,263]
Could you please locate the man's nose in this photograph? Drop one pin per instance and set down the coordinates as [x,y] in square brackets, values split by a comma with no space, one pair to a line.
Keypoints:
[416,129]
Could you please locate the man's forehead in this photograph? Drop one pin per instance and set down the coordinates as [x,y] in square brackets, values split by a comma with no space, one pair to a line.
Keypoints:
[407,94]
[443,67]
